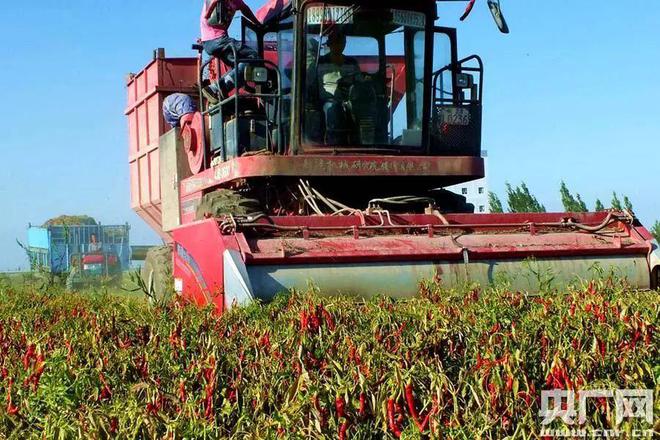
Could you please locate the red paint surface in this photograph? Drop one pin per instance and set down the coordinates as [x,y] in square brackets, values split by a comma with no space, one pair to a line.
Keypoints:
[494,236]
[333,165]
[99,259]
[146,124]
[202,269]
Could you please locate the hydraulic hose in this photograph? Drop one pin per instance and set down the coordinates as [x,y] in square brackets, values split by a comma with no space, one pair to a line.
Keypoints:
[611,218]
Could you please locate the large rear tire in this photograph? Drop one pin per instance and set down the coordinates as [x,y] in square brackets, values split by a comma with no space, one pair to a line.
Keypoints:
[156,273]
[225,202]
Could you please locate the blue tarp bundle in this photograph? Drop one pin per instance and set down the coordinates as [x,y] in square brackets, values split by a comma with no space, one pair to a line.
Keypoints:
[177,105]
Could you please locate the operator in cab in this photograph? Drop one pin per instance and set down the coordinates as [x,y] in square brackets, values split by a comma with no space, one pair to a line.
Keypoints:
[335,74]
[94,244]
[215,20]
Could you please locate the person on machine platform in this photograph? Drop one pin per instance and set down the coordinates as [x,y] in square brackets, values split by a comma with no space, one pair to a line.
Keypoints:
[216,18]
[335,74]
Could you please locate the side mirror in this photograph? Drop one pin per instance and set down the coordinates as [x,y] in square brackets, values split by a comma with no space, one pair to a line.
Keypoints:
[464,81]
[496,10]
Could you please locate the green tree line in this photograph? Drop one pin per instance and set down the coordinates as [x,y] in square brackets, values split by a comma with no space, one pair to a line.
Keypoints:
[520,199]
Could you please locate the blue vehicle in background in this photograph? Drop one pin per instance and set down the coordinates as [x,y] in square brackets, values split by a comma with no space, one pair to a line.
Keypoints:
[84,254]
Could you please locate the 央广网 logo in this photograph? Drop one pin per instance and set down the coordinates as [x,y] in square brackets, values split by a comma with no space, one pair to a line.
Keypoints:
[571,407]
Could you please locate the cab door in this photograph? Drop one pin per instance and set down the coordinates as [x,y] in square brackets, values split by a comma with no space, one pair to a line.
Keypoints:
[275,45]
[456,110]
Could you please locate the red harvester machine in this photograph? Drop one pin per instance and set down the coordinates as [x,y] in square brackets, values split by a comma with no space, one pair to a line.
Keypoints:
[297,180]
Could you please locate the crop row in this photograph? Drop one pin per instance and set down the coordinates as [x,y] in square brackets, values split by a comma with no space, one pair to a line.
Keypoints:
[466,363]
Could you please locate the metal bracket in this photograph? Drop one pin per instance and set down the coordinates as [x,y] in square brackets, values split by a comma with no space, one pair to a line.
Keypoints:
[532,229]
[466,264]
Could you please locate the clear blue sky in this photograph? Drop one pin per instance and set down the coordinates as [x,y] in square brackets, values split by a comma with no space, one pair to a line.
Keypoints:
[572,94]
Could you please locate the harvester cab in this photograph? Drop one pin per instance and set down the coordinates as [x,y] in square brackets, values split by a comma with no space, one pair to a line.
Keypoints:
[367,77]
[326,166]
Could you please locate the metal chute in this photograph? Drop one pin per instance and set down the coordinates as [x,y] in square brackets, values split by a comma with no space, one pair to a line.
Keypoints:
[403,279]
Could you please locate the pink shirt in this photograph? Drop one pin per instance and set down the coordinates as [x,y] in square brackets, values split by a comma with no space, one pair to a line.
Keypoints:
[214,32]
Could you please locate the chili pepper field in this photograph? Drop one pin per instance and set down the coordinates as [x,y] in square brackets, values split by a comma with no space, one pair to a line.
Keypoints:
[461,364]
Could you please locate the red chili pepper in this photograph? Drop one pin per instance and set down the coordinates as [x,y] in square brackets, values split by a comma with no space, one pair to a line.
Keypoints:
[208,403]
[304,321]
[509,383]
[591,289]
[329,320]
[314,323]
[69,350]
[601,348]
[649,335]
[544,346]
[152,409]
[323,413]
[493,392]
[342,430]
[265,342]
[390,419]
[525,396]
[410,399]
[182,391]
[29,355]
[362,412]
[106,392]
[575,343]
[11,408]
[340,406]
[114,425]
[35,377]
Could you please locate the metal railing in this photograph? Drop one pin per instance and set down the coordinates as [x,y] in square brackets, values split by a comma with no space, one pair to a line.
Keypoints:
[456,68]
[237,97]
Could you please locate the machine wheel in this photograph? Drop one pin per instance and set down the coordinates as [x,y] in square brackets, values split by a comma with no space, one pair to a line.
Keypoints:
[156,273]
[225,202]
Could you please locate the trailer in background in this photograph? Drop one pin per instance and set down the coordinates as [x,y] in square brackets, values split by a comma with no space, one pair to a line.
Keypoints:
[85,253]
